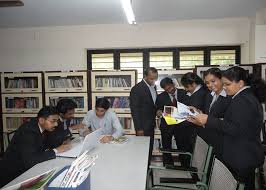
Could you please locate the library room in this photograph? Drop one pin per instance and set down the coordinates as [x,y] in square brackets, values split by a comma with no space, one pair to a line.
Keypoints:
[133,94]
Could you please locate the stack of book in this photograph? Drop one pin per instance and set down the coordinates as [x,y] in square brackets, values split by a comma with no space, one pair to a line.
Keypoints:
[69,82]
[22,83]
[112,82]
[119,102]
[16,122]
[25,102]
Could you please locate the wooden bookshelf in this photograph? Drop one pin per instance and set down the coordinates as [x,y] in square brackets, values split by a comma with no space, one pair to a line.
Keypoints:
[80,98]
[113,81]
[12,122]
[65,81]
[119,101]
[21,82]
[21,103]
[127,123]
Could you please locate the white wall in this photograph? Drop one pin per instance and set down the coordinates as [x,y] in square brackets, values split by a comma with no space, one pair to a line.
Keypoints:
[64,48]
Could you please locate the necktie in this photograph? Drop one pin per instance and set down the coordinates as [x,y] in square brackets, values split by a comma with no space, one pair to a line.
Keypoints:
[174,102]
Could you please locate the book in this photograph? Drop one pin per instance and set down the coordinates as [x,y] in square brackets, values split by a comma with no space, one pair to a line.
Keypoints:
[119,140]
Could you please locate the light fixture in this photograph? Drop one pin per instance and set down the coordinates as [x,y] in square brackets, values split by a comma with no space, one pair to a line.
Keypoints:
[127,6]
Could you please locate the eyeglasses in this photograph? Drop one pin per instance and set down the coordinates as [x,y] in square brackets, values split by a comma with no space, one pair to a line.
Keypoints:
[53,121]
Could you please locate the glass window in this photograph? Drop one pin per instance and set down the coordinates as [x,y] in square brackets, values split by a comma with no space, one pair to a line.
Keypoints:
[129,61]
[189,59]
[102,61]
[223,57]
[161,60]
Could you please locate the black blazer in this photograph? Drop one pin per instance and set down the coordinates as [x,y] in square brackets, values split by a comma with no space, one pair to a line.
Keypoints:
[211,135]
[143,109]
[163,99]
[26,149]
[58,136]
[197,99]
[241,128]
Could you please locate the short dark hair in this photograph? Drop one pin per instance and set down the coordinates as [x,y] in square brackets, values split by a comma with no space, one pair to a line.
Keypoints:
[213,71]
[166,81]
[150,69]
[46,111]
[190,78]
[65,104]
[102,103]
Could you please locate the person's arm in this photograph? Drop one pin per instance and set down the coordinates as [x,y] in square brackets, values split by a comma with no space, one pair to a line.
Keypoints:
[135,107]
[117,125]
[31,153]
[86,125]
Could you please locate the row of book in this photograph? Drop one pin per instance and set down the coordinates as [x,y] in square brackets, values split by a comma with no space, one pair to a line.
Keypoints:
[79,101]
[119,102]
[22,83]
[76,121]
[69,82]
[16,122]
[125,122]
[112,82]
[25,102]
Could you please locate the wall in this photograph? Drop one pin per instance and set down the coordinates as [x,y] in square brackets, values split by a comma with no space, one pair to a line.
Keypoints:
[64,48]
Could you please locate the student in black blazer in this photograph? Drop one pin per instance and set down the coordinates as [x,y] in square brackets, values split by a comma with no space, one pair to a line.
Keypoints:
[196,92]
[28,146]
[66,108]
[170,97]
[216,104]
[142,104]
[241,126]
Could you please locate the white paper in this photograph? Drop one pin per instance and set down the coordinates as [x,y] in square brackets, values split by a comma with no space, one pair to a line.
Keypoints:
[181,112]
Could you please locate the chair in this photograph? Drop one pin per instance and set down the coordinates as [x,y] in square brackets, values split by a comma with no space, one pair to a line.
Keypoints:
[221,179]
[188,177]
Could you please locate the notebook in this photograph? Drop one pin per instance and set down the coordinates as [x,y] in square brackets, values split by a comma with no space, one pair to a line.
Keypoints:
[90,142]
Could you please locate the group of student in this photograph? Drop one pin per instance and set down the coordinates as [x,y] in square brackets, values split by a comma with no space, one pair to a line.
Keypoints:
[230,116]
[50,133]
[230,119]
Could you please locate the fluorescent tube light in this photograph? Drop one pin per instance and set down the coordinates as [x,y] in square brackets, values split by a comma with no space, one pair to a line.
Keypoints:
[127,6]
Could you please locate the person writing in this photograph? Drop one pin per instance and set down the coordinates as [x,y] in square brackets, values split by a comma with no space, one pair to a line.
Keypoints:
[105,119]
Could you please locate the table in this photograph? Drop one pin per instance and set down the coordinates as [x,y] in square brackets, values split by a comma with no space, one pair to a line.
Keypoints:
[119,166]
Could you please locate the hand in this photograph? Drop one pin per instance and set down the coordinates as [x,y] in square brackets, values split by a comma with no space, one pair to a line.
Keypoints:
[200,119]
[193,109]
[106,139]
[78,126]
[140,133]
[64,147]
[159,113]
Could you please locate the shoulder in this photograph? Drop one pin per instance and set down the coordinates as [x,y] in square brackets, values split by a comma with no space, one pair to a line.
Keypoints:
[111,114]
[163,94]
[181,92]
[138,86]
[90,113]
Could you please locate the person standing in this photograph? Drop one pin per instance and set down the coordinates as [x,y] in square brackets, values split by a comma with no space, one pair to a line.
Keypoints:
[142,104]
[242,124]
[170,97]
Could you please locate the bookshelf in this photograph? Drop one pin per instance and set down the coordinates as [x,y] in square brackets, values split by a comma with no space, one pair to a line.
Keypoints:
[176,75]
[12,122]
[65,81]
[21,98]
[127,123]
[21,82]
[21,103]
[81,100]
[113,81]
[119,101]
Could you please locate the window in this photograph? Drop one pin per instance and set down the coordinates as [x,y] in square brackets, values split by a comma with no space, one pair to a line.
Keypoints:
[132,61]
[161,60]
[102,61]
[189,59]
[223,57]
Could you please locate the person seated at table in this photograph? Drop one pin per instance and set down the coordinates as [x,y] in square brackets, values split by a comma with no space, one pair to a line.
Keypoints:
[28,145]
[66,108]
[103,118]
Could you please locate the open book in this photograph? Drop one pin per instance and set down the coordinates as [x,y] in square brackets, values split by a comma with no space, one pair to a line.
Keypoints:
[174,115]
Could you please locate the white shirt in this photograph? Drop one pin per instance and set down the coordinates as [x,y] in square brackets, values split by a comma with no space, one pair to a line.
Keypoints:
[196,89]
[245,87]
[152,91]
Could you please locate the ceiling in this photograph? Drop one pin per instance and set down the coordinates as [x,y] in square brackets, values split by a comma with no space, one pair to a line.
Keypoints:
[83,12]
